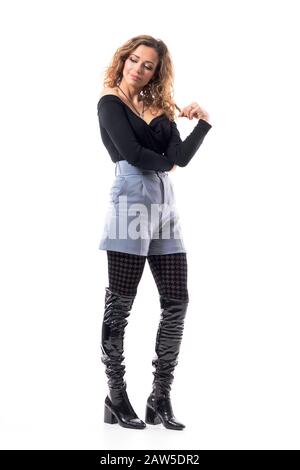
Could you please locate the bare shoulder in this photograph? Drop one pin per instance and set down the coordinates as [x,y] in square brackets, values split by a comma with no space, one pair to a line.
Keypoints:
[108,91]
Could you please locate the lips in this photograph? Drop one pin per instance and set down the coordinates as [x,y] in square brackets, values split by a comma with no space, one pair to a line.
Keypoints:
[135,77]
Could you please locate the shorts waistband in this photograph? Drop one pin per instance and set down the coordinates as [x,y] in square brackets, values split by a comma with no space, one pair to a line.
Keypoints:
[123,167]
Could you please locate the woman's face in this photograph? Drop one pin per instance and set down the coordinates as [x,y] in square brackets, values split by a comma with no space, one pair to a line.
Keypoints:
[140,66]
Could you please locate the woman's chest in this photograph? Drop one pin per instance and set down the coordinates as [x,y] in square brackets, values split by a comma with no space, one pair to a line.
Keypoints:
[155,135]
[148,116]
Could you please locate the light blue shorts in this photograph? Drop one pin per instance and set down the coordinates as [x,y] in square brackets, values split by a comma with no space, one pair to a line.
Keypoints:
[142,218]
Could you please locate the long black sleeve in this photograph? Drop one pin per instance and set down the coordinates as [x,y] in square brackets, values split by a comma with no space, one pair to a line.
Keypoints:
[112,117]
[181,152]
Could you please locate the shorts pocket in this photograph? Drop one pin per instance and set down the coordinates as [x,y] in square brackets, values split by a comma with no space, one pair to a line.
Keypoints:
[172,199]
[117,188]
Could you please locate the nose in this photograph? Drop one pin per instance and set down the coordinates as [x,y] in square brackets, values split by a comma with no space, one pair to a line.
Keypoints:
[138,71]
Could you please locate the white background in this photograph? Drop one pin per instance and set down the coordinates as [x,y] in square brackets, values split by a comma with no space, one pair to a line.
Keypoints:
[237,382]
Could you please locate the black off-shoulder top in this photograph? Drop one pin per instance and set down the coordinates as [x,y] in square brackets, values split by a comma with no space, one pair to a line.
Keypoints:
[153,146]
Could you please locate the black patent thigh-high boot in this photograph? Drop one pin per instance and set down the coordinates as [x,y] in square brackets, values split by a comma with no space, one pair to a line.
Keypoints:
[168,341]
[117,407]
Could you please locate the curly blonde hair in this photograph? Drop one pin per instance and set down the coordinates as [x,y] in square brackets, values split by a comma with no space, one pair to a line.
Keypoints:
[158,93]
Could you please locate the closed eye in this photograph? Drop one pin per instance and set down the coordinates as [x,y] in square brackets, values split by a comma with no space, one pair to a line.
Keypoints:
[149,68]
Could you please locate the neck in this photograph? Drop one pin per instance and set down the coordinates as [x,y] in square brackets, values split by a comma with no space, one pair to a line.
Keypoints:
[131,91]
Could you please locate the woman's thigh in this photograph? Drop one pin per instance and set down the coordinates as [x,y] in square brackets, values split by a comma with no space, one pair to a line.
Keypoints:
[170,274]
[124,271]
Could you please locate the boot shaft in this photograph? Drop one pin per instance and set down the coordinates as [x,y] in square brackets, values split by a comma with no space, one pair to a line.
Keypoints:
[168,341]
[117,309]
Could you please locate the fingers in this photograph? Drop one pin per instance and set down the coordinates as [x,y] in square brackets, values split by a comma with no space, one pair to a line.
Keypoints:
[193,110]
[190,111]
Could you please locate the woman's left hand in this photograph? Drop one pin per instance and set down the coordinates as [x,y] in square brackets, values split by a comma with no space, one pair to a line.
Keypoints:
[194,110]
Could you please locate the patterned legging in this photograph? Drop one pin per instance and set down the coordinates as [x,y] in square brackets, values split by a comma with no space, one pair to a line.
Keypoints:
[169,272]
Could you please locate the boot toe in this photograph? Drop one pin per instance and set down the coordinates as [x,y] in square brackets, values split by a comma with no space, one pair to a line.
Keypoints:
[138,423]
[133,423]
[174,424]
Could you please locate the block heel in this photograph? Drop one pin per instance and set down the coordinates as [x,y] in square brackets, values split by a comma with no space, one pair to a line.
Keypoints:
[151,416]
[108,416]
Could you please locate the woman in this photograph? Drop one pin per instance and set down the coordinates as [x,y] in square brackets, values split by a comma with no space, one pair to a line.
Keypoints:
[136,114]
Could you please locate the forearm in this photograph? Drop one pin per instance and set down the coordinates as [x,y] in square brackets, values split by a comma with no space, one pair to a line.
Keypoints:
[181,152]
